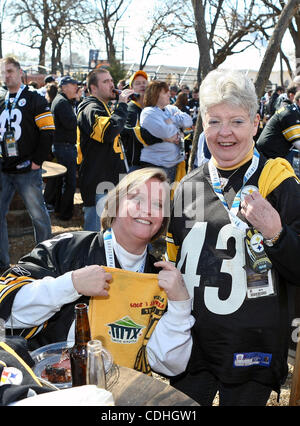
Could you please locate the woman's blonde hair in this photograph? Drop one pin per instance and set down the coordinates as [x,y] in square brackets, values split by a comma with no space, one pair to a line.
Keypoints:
[231,87]
[130,183]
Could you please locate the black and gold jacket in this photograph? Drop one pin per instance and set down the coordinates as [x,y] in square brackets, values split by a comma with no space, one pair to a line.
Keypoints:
[33,126]
[53,258]
[100,156]
[280,132]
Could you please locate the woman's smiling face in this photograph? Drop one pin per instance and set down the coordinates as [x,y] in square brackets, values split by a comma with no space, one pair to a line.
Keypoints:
[229,133]
[140,215]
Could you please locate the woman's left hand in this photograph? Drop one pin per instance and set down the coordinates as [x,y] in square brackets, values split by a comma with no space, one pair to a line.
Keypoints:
[171,280]
[261,214]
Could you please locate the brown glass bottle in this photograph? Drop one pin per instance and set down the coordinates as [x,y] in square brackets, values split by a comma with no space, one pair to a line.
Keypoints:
[78,353]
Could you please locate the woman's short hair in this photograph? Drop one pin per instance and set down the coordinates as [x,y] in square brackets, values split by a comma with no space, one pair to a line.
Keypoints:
[231,87]
[152,92]
[130,183]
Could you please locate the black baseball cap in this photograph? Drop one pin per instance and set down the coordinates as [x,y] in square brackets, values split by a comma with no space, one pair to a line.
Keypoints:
[49,79]
[66,80]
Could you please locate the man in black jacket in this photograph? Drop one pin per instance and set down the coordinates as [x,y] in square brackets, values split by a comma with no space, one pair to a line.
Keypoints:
[64,146]
[100,154]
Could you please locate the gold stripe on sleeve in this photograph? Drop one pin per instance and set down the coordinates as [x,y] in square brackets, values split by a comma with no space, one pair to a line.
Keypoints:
[45,121]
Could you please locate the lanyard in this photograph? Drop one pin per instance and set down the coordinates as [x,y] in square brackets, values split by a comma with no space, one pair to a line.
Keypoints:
[232,213]
[14,101]
[109,251]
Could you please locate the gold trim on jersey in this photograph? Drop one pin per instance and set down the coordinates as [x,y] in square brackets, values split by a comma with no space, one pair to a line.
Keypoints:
[292,132]
[101,124]
[137,132]
[137,104]
[21,361]
[79,152]
[11,283]
[172,249]
[45,121]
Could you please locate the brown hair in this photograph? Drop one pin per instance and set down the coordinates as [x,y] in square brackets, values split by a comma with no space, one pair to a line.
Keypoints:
[92,78]
[11,60]
[153,91]
[182,100]
[130,182]
[51,91]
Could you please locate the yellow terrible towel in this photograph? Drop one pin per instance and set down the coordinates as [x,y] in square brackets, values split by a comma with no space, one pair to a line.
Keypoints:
[274,172]
[125,320]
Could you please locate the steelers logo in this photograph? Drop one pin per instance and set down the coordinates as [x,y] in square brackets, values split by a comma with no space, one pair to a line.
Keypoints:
[256,243]
[248,190]
[11,376]
[22,102]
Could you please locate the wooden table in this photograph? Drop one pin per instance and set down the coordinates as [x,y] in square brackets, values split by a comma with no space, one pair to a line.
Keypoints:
[138,389]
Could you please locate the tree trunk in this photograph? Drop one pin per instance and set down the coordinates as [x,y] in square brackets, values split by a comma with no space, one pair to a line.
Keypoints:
[273,46]
[205,66]
[53,57]
[296,40]
[1,54]
[202,40]
[42,55]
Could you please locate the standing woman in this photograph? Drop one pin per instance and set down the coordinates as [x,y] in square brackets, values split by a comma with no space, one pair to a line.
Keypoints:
[238,251]
[163,121]
[133,136]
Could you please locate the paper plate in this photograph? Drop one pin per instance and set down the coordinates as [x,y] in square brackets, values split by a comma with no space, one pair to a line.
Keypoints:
[51,354]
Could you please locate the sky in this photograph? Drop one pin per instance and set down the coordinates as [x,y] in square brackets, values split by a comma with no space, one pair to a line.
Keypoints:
[180,54]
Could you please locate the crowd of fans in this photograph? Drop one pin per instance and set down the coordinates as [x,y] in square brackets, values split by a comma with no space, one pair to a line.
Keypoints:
[115,141]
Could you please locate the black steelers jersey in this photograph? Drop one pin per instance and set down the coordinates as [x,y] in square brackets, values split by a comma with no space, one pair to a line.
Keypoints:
[32,123]
[235,337]
[100,154]
[280,132]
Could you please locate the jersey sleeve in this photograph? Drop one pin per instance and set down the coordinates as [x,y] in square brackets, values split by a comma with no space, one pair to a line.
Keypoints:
[38,270]
[45,123]
[291,127]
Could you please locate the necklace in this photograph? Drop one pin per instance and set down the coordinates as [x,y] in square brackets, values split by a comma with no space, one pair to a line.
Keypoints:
[224,180]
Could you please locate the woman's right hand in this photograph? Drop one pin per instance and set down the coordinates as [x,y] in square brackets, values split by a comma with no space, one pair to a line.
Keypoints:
[91,281]
[173,139]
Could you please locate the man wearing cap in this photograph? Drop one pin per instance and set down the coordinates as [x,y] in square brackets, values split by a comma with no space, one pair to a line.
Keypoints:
[100,153]
[64,145]
[26,128]
[133,136]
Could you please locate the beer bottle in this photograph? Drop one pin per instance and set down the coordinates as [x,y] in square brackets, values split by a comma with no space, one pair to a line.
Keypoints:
[78,353]
[95,372]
